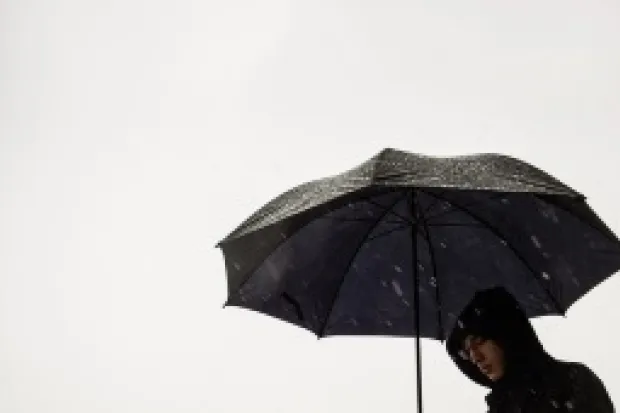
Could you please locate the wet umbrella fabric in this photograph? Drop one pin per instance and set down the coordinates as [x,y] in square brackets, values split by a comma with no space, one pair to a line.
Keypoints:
[398,245]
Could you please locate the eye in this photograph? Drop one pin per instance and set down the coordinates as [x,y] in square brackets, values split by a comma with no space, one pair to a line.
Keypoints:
[479,340]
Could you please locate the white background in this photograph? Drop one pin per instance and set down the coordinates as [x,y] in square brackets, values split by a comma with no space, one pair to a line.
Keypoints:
[136,134]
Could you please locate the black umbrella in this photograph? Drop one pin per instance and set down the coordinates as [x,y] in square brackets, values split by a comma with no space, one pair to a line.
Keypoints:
[399,244]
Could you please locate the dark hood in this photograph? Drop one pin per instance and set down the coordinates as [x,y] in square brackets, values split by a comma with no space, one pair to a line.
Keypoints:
[495,314]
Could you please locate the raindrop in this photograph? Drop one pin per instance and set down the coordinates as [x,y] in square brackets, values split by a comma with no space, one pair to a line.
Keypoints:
[505,201]
[388,323]
[383,283]
[420,266]
[546,276]
[283,235]
[237,266]
[354,322]
[433,281]
[460,323]
[576,281]
[397,288]
[569,405]
[503,241]
[398,269]
[555,404]
[406,303]
[536,241]
[443,244]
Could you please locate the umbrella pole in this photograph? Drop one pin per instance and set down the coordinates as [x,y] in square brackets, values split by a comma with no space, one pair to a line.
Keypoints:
[416,293]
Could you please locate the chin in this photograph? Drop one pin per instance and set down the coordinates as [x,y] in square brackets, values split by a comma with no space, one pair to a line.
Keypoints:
[494,377]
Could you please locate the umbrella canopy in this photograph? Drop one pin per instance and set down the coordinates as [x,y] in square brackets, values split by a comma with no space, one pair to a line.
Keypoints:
[398,245]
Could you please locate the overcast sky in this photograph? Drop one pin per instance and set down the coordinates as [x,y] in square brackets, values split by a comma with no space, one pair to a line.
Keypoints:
[136,134]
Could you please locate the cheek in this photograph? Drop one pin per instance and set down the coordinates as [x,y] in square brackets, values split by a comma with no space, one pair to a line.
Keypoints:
[497,356]
[492,354]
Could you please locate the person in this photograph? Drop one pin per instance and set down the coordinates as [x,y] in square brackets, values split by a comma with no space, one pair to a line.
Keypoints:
[494,344]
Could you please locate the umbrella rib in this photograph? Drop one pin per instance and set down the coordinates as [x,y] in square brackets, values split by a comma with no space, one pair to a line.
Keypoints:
[282,241]
[403,218]
[348,267]
[443,213]
[431,251]
[455,224]
[430,207]
[388,232]
[510,246]
[578,218]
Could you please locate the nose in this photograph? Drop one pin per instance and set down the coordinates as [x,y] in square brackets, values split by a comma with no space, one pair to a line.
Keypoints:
[476,356]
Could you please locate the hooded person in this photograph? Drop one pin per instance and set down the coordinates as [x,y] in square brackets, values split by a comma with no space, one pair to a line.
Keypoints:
[494,344]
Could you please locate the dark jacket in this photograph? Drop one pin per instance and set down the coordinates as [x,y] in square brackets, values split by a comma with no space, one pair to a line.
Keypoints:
[533,382]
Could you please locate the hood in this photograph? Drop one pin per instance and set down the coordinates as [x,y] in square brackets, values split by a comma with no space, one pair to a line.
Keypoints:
[495,314]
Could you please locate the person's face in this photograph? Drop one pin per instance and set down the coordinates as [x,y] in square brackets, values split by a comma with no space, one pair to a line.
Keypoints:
[487,355]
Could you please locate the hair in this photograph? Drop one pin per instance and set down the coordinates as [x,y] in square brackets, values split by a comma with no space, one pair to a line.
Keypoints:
[495,315]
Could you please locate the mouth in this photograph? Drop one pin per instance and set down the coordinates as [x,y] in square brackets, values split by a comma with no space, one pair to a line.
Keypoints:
[486,369]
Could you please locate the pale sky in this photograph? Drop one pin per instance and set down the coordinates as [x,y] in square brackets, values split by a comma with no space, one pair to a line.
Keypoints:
[136,134]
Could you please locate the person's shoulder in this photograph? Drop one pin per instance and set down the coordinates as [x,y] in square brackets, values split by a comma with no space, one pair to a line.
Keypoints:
[574,368]
[570,371]
[578,374]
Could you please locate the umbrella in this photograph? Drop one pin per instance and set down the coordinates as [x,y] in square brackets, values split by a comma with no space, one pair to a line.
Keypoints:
[397,246]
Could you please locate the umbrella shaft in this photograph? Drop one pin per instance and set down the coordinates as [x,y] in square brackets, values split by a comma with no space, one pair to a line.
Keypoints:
[416,293]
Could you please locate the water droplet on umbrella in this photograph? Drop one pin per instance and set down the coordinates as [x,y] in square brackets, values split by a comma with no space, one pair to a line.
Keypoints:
[433,281]
[546,276]
[576,281]
[442,244]
[536,241]
[354,322]
[420,266]
[383,283]
[570,405]
[505,201]
[460,324]
[398,269]
[237,266]
[397,288]
[555,404]
[406,302]
[503,241]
